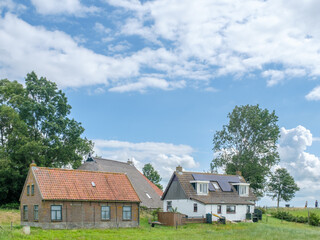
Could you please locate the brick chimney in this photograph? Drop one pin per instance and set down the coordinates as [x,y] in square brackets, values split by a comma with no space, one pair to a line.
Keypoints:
[238,173]
[179,169]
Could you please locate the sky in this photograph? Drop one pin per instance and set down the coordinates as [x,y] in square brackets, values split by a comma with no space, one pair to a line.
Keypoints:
[152,81]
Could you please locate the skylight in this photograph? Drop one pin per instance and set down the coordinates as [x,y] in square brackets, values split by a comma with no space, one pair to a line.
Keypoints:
[148,195]
[93,184]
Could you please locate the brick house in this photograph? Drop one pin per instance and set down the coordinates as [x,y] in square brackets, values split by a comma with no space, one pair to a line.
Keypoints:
[61,199]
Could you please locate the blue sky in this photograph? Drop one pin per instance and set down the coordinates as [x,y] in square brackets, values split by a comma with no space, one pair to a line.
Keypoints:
[153,80]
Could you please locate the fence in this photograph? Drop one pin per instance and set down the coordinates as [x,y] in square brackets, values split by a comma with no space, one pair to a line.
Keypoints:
[170,218]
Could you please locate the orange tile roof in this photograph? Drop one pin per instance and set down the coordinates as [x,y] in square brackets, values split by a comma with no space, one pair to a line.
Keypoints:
[63,184]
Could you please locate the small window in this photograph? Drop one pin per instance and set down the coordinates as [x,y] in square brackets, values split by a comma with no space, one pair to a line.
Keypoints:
[148,195]
[105,213]
[56,213]
[203,188]
[219,209]
[195,207]
[25,213]
[169,206]
[126,213]
[36,212]
[32,189]
[231,209]
[248,209]
[216,185]
[28,190]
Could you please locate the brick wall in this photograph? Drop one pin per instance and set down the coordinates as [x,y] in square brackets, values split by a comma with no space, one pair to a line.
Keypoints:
[75,214]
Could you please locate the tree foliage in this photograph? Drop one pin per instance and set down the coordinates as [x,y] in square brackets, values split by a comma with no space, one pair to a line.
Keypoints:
[282,186]
[35,126]
[152,175]
[248,144]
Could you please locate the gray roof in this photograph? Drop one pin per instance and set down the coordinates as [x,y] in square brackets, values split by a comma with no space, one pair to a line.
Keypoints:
[213,197]
[140,183]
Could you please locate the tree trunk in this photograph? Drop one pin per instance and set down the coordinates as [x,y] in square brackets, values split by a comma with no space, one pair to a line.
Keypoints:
[278,200]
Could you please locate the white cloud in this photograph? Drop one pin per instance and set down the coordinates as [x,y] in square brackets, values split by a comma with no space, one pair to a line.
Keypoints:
[164,157]
[148,82]
[314,94]
[11,6]
[235,37]
[62,7]
[303,166]
[58,56]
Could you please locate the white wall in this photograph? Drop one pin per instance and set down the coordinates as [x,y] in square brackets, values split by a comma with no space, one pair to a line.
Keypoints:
[185,206]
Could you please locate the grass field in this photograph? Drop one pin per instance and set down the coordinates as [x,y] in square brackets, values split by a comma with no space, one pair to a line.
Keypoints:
[273,229]
[300,211]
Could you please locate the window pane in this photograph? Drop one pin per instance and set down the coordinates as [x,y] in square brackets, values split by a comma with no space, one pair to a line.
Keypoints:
[126,212]
[32,189]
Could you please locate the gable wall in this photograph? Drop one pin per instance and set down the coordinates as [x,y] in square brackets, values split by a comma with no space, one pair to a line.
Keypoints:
[175,190]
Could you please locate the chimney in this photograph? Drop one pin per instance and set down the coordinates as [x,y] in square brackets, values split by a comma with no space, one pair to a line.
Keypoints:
[33,164]
[238,173]
[130,162]
[179,169]
[89,159]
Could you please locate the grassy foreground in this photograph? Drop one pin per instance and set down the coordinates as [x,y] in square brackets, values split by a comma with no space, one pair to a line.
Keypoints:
[273,229]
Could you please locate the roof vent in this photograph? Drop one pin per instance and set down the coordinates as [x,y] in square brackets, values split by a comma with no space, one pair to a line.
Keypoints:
[93,184]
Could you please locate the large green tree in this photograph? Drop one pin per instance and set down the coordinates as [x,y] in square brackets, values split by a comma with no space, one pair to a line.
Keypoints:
[152,175]
[35,126]
[282,186]
[248,144]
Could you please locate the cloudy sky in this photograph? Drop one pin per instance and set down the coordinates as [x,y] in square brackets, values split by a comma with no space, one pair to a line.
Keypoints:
[153,80]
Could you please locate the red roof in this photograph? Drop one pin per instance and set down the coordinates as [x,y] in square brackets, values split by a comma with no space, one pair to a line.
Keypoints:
[63,184]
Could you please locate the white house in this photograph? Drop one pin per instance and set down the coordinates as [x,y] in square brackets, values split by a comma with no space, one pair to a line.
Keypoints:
[196,194]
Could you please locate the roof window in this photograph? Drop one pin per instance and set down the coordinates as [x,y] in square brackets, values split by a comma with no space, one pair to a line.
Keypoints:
[93,184]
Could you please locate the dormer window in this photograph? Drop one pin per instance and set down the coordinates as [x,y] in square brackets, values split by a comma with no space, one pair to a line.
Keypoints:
[242,189]
[201,187]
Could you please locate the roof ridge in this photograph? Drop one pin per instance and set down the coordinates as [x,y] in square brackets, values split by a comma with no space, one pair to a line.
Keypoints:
[210,173]
[80,170]
[105,159]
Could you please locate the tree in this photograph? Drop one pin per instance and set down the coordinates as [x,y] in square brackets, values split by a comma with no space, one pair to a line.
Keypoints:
[152,175]
[248,144]
[282,186]
[35,126]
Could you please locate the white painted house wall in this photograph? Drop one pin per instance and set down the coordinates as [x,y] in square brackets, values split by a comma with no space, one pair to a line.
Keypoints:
[185,206]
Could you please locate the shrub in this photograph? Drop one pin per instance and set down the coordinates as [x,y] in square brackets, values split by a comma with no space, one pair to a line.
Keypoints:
[314,219]
[10,206]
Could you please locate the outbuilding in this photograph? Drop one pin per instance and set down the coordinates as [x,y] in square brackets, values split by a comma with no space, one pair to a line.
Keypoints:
[54,198]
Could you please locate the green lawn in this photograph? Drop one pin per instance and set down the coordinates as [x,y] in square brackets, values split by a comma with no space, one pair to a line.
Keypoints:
[273,229]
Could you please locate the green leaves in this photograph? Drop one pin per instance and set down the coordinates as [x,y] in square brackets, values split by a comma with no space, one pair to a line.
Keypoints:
[248,144]
[34,126]
[282,186]
[152,175]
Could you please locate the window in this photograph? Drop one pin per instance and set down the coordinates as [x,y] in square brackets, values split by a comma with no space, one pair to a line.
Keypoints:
[203,188]
[32,189]
[219,209]
[195,207]
[231,209]
[36,212]
[126,213]
[243,190]
[25,213]
[169,206]
[105,213]
[148,195]
[216,185]
[248,209]
[56,213]
[28,190]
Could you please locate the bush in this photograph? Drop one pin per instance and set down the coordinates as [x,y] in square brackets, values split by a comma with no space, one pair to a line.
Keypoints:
[10,206]
[314,219]
[262,209]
